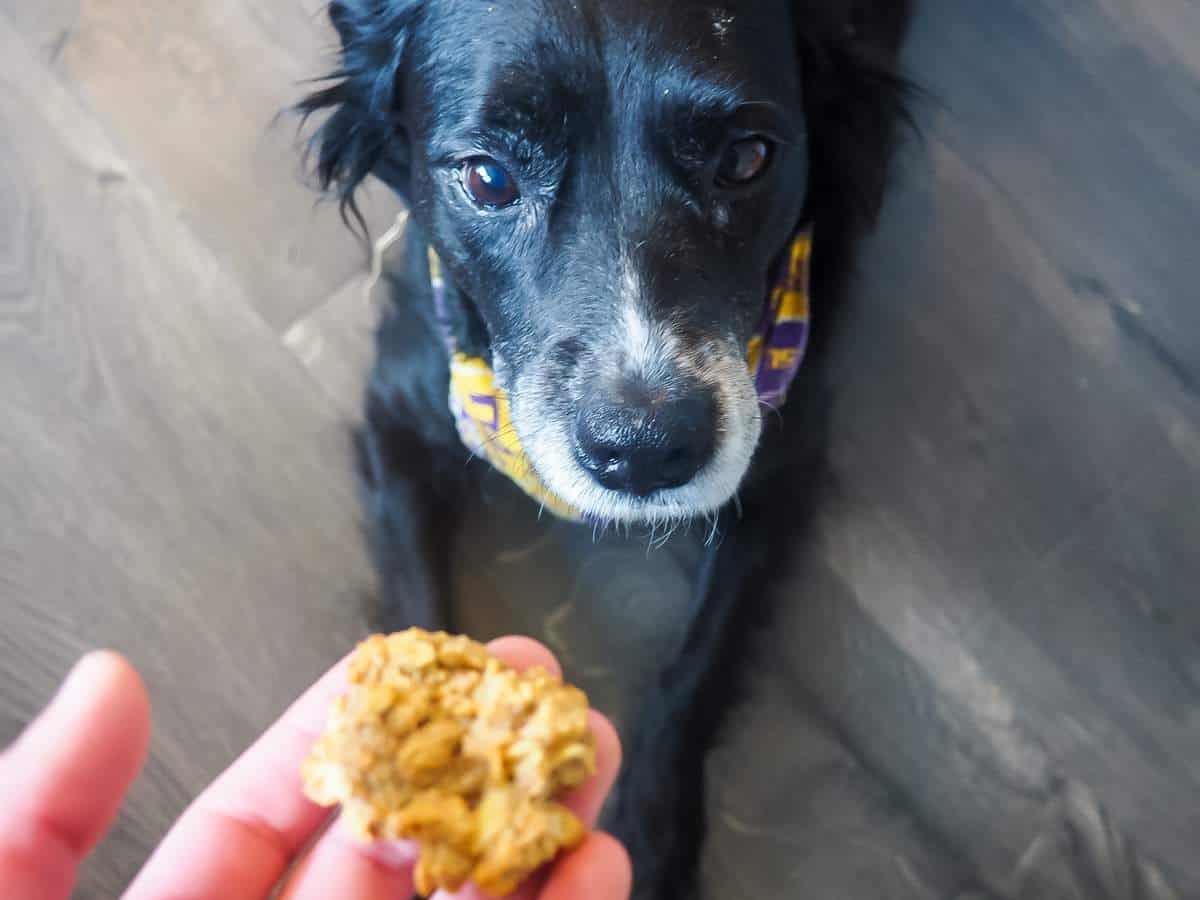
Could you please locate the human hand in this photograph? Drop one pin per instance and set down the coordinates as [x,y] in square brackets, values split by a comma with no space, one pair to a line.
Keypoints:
[64,778]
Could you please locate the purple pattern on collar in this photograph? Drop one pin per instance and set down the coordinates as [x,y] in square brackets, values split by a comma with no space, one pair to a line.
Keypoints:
[777,349]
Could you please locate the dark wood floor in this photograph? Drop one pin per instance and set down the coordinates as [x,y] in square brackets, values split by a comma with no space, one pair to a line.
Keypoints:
[999,613]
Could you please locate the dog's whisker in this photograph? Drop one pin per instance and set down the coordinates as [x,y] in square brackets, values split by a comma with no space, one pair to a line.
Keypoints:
[713,531]
[774,410]
[653,531]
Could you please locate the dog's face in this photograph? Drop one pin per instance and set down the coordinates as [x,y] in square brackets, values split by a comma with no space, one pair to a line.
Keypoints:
[610,182]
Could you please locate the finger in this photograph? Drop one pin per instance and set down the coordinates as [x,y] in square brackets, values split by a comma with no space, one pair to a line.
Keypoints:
[238,837]
[598,869]
[342,867]
[64,778]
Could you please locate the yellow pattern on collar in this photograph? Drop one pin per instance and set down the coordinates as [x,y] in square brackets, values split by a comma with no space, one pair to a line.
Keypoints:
[481,408]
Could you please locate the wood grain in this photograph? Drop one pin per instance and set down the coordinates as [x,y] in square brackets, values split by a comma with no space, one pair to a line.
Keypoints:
[46,26]
[988,659]
[172,483]
[1001,611]
[192,92]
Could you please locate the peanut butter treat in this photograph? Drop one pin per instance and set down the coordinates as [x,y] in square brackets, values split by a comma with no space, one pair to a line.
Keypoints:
[438,742]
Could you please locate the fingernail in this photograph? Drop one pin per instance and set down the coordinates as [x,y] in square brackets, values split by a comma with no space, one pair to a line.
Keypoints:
[87,669]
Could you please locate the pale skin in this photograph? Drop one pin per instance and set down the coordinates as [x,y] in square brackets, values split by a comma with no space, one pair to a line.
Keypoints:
[252,829]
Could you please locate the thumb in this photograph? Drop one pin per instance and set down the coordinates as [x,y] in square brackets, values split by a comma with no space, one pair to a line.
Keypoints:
[64,778]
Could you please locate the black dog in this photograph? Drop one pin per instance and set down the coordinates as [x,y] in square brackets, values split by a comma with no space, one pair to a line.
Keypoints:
[611,186]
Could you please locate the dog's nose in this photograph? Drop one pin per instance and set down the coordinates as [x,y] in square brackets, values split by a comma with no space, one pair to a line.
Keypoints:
[647,444]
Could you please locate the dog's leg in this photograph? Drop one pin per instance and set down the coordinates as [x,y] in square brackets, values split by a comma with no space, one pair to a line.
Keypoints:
[407,521]
[659,812]
[660,807]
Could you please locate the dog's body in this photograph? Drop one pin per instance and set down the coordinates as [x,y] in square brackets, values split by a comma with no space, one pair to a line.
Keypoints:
[610,185]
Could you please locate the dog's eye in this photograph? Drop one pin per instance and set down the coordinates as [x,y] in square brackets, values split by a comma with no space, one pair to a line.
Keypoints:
[743,162]
[489,184]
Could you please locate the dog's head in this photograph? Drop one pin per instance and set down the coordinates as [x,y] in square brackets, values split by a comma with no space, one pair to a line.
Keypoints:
[610,183]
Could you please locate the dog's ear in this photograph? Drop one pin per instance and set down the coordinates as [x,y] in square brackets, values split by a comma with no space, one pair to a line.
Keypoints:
[856,98]
[364,131]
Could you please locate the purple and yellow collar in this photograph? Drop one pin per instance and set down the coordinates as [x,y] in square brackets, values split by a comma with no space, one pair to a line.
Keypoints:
[481,409]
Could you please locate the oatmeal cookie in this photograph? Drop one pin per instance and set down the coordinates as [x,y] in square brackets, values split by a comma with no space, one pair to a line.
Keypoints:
[438,742]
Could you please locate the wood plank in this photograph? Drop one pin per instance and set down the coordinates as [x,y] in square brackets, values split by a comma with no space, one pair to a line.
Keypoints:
[191,92]
[336,341]
[1087,117]
[46,25]
[1000,612]
[172,482]
[999,615]
[806,818]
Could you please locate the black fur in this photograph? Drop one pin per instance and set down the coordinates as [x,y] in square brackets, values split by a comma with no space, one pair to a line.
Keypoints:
[406,78]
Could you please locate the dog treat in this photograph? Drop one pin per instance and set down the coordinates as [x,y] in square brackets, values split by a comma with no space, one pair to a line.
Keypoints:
[438,742]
